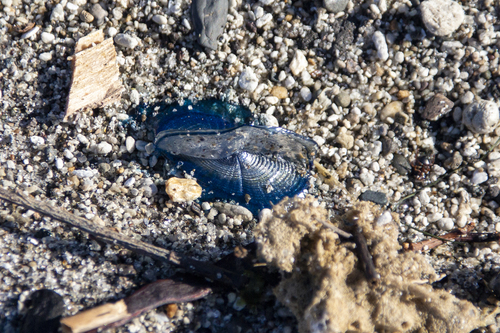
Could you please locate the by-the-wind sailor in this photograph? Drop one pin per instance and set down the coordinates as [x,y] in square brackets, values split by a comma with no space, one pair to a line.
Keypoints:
[232,159]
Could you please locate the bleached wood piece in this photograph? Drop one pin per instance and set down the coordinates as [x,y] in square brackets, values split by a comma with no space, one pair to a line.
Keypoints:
[95,81]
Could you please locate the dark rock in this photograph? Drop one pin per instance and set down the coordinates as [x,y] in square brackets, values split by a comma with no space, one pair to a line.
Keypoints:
[209,17]
[436,107]
[42,233]
[454,161]
[376,197]
[44,311]
[401,164]
[388,145]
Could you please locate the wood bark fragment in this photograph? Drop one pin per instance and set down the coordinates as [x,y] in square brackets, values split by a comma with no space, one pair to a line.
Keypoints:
[95,80]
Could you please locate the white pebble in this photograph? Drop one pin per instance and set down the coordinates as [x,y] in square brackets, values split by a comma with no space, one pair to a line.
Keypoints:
[112,31]
[47,37]
[160,19]
[265,19]
[366,177]
[37,140]
[441,17]
[446,224]
[126,41]
[434,217]
[104,148]
[59,163]
[399,57]
[306,94]
[467,98]
[135,98]
[84,173]
[71,7]
[130,144]
[57,13]
[481,116]
[268,120]
[45,56]
[384,219]
[248,80]
[381,45]
[289,82]
[479,177]
[129,182]
[298,63]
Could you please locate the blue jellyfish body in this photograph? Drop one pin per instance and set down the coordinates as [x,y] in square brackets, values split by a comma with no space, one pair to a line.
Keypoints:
[231,159]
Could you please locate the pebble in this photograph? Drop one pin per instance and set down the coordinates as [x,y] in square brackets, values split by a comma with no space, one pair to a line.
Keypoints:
[45,56]
[441,17]
[141,145]
[265,19]
[279,92]
[436,107]
[129,182]
[298,63]
[384,218]
[47,37]
[248,80]
[86,16]
[391,110]
[130,144]
[306,94]
[379,198]
[99,13]
[182,189]
[234,210]
[268,120]
[467,98]
[401,164]
[57,13]
[30,33]
[148,188]
[479,177]
[205,206]
[59,163]
[103,148]
[343,99]
[345,139]
[335,6]
[84,173]
[37,140]
[446,224]
[160,19]
[210,18]
[112,31]
[481,116]
[126,41]
[381,45]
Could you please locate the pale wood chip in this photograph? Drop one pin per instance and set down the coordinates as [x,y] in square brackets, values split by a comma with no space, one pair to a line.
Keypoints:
[95,81]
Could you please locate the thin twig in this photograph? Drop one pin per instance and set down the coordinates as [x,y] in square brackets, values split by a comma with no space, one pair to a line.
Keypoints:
[338,231]
[371,274]
[202,268]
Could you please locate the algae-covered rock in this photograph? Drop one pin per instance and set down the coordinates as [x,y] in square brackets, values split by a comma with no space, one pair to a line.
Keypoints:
[326,288]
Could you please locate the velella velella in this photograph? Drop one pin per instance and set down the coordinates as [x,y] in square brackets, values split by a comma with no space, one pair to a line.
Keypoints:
[231,158]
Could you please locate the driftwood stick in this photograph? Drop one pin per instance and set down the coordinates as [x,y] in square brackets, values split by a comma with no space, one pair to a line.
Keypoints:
[366,258]
[202,268]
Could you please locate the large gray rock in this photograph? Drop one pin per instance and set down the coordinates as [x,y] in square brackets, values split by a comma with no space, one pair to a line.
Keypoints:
[210,17]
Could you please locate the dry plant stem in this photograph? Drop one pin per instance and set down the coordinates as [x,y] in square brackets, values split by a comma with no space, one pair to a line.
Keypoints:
[205,269]
[371,274]
[338,231]
[462,235]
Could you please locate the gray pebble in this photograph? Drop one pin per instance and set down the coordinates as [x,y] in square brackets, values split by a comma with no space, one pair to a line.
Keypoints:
[234,210]
[125,41]
[57,13]
[479,177]
[209,17]
[401,164]
[104,168]
[481,116]
[343,99]
[335,6]
[376,197]
[99,13]
[436,107]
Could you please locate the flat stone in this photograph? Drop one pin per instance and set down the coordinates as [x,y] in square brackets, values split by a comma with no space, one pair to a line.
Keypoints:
[160,19]
[126,41]
[441,17]
[234,210]
[376,197]
[335,6]
[210,18]
[436,107]
[182,189]
[401,164]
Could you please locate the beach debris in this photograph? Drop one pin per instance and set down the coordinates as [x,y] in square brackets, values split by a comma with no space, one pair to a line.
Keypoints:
[95,81]
[210,18]
[232,159]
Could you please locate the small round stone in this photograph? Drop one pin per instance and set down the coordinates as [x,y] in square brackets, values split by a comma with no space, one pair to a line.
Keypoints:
[182,189]
[343,99]
[441,17]
[126,41]
[47,37]
[130,144]
[479,177]
[45,56]
[446,224]
[279,92]
[248,80]
[481,116]
[86,16]
[306,94]
[160,19]
[335,6]
[104,148]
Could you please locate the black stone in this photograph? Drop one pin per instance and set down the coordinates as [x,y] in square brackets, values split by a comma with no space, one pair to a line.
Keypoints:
[44,312]
[376,197]
[401,164]
[209,17]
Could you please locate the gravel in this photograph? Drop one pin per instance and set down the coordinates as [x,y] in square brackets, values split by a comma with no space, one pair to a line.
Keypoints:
[357,80]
